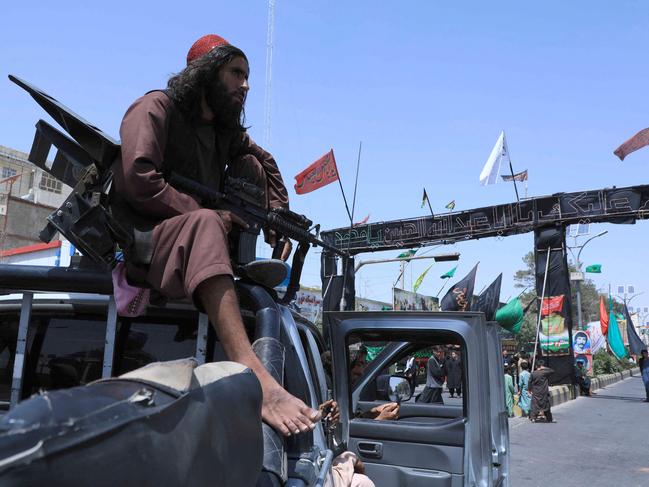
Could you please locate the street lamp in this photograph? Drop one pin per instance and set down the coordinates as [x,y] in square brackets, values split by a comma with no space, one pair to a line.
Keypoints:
[580,277]
[404,260]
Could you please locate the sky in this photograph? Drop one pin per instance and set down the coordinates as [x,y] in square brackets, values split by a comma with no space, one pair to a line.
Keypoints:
[426,87]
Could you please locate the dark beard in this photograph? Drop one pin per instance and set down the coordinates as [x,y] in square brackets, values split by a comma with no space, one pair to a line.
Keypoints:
[226,110]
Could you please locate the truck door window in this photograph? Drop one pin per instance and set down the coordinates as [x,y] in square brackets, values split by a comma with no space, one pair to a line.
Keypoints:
[70,352]
[8,337]
[430,369]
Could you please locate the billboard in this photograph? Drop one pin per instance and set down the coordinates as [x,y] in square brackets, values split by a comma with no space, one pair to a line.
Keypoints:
[408,301]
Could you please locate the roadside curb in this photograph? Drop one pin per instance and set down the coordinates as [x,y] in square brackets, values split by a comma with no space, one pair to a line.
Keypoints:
[565,393]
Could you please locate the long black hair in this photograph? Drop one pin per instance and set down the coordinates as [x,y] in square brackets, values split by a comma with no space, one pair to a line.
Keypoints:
[187,87]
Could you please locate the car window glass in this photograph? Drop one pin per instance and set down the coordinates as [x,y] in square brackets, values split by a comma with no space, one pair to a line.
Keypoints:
[142,343]
[70,353]
[8,337]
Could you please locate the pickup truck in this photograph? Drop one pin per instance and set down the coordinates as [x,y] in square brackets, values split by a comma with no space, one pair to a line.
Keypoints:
[61,335]
[99,399]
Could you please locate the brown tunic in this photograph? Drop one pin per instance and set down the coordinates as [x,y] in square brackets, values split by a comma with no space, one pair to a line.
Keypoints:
[189,243]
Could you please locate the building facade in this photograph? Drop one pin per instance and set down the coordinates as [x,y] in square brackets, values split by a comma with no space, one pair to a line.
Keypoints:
[27,196]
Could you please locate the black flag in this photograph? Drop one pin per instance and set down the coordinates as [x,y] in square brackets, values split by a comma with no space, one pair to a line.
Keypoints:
[636,345]
[489,300]
[459,297]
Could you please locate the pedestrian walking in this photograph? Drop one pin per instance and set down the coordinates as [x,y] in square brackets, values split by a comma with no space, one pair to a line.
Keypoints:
[523,385]
[434,378]
[509,394]
[643,363]
[540,389]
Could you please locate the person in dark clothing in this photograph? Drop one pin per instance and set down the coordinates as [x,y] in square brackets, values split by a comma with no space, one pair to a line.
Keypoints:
[643,363]
[435,374]
[454,374]
[195,129]
[582,379]
[539,388]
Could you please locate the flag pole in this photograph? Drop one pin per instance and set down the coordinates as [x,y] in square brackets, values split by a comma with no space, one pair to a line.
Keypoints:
[358,165]
[344,198]
[511,169]
[343,303]
[429,207]
[442,288]
[538,325]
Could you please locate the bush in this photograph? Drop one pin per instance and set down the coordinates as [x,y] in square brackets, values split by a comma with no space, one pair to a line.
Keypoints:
[605,363]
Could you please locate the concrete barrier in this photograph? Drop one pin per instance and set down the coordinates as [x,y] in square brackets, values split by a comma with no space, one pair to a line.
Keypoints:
[565,393]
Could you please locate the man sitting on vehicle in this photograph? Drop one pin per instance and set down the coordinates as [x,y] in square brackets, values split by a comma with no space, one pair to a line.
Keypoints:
[195,129]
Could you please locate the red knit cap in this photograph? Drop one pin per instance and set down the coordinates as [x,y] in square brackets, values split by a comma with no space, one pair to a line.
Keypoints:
[204,45]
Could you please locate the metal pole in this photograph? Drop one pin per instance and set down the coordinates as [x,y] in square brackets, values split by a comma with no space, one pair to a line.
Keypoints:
[538,325]
[21,345]
[579,320]
[109,343]
[446,257]
[403,275]
[201,338]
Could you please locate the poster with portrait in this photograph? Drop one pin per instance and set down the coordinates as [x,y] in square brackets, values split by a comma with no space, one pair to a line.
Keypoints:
[408,301]
[581,342]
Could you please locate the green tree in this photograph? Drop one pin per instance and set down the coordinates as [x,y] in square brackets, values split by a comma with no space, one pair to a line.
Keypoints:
[524,278]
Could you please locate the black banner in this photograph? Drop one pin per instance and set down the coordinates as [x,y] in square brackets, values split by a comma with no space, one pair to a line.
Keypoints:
[460,295]
[555,338]
[613,205]
[489,300]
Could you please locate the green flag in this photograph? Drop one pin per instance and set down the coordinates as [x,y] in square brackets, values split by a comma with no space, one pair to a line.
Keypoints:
[450,206]
[594,269]
[420,279]
[510,316]
[449,274]
[407,253]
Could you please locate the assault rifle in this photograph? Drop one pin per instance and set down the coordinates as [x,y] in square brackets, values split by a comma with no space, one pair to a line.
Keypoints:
[244,199]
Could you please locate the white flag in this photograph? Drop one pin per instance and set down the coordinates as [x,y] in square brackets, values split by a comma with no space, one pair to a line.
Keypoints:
[499,154]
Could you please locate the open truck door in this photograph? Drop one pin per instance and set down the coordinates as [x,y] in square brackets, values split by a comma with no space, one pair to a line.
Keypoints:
[447,443]
[498,408]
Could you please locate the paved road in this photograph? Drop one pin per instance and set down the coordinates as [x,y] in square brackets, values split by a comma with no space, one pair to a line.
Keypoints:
[598,441]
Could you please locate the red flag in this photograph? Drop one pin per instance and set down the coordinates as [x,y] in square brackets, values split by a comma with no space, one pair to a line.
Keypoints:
[603,316]
[636,142]
[553,304]
[362,222]
[319,174]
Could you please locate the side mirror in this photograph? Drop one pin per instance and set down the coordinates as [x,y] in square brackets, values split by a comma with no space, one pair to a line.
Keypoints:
[399,389]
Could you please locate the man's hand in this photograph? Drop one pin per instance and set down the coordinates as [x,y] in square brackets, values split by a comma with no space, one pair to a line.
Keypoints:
[273,241]
[359,466]
[330,411]
[386,412]
[230,219]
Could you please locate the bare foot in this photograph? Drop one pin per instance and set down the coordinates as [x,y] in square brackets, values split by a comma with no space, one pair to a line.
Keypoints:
[286,413]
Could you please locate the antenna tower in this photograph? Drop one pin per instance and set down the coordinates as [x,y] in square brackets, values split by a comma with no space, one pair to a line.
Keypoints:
[269,70]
